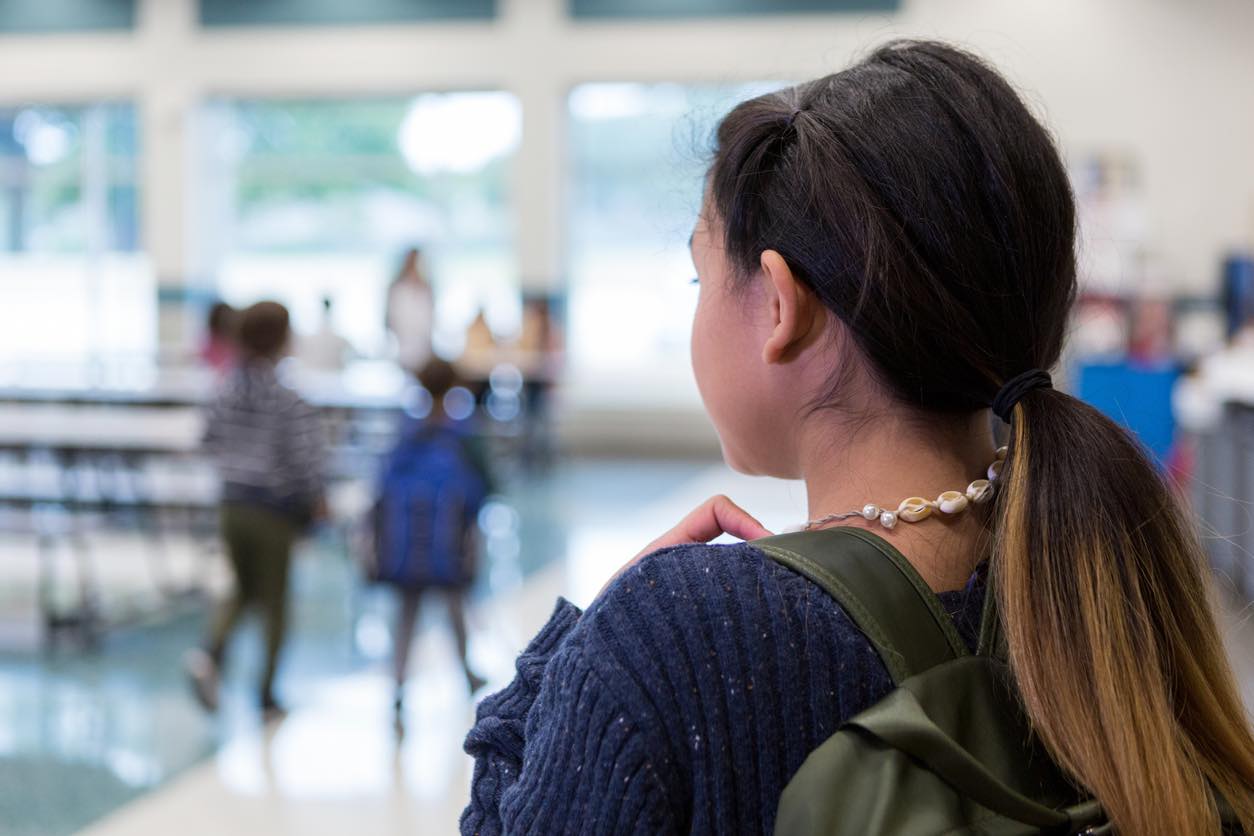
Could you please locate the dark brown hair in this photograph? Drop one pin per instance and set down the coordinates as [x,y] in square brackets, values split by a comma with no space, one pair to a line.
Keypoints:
[438,377]
[221,320]
[917,197]
[264,329]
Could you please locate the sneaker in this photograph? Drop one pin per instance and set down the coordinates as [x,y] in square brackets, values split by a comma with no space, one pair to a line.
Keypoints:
[202,672]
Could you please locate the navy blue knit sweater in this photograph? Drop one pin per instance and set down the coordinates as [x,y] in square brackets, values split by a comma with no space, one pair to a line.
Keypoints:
[682,701]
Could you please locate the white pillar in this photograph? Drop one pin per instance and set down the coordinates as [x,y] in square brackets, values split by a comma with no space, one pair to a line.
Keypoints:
[166,99]
[536,184]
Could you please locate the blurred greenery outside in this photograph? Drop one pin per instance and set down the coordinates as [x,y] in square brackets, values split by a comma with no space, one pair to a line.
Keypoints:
[44,159]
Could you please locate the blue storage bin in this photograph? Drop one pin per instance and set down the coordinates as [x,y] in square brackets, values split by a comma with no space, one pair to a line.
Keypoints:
[1136,396]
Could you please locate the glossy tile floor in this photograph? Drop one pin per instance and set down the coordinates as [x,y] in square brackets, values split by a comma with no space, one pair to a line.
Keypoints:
[110,743]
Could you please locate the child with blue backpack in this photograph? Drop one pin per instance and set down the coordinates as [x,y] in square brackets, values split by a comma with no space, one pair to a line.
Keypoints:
[423,522]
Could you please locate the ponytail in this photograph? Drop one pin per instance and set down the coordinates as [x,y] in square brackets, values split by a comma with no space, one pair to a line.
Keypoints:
[1101,585]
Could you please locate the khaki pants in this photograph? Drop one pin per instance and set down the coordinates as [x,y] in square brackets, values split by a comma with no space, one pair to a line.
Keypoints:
[259,545]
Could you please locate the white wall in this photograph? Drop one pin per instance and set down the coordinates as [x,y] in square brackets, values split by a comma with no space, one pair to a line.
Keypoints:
[1170,81]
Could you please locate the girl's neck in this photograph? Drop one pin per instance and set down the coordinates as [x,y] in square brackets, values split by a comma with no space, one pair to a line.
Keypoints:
[888,459]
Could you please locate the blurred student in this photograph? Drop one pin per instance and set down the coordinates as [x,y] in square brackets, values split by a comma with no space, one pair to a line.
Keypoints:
[325,350]
[423,523]
[481,343]
[269,449]
[217,351]
[540,359]
[411,312]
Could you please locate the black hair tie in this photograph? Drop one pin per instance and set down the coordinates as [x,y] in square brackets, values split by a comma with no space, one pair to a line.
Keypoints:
[1016,387]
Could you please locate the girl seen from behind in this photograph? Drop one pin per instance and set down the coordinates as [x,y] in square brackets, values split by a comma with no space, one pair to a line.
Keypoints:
[884,254]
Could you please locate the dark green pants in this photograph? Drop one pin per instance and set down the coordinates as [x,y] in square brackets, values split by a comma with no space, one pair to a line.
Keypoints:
[259,545]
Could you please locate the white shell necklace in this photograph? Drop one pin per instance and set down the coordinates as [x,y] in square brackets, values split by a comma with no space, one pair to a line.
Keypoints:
[915,508]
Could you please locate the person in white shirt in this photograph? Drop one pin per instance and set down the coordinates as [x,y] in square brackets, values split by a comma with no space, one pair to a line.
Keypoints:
[410,313]
[325,350]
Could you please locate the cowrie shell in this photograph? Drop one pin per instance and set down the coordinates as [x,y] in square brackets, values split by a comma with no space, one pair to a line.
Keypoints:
[951,502]
[980,491]
[914,509]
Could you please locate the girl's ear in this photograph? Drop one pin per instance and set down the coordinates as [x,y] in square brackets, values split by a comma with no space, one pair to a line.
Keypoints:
[795,312]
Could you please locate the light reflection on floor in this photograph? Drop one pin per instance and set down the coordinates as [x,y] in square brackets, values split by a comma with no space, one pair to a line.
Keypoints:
[335,764]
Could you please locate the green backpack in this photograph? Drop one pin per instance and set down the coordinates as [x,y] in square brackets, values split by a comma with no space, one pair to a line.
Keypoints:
[950,749]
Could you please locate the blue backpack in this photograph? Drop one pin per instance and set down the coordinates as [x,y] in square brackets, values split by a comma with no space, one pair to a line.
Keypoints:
[429,499]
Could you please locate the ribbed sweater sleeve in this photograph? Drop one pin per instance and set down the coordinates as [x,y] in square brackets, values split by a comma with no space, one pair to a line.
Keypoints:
[590,765]
[496,740]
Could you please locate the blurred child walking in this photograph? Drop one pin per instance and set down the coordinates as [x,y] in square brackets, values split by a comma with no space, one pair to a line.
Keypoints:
[269,448]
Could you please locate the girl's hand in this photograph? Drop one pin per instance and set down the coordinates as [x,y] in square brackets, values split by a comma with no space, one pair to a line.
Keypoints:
[717,515]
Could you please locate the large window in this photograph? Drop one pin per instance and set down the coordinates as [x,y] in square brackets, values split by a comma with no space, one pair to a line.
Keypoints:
[312,199]
[77,289]
[638,157]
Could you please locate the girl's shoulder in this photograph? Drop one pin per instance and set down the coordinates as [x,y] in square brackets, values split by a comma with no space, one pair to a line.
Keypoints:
[713,573]
[703,649]
[702,596]
[694,593]
[729,669]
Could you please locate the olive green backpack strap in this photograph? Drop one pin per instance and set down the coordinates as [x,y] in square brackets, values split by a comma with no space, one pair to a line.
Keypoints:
[992,640]
[879,589]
